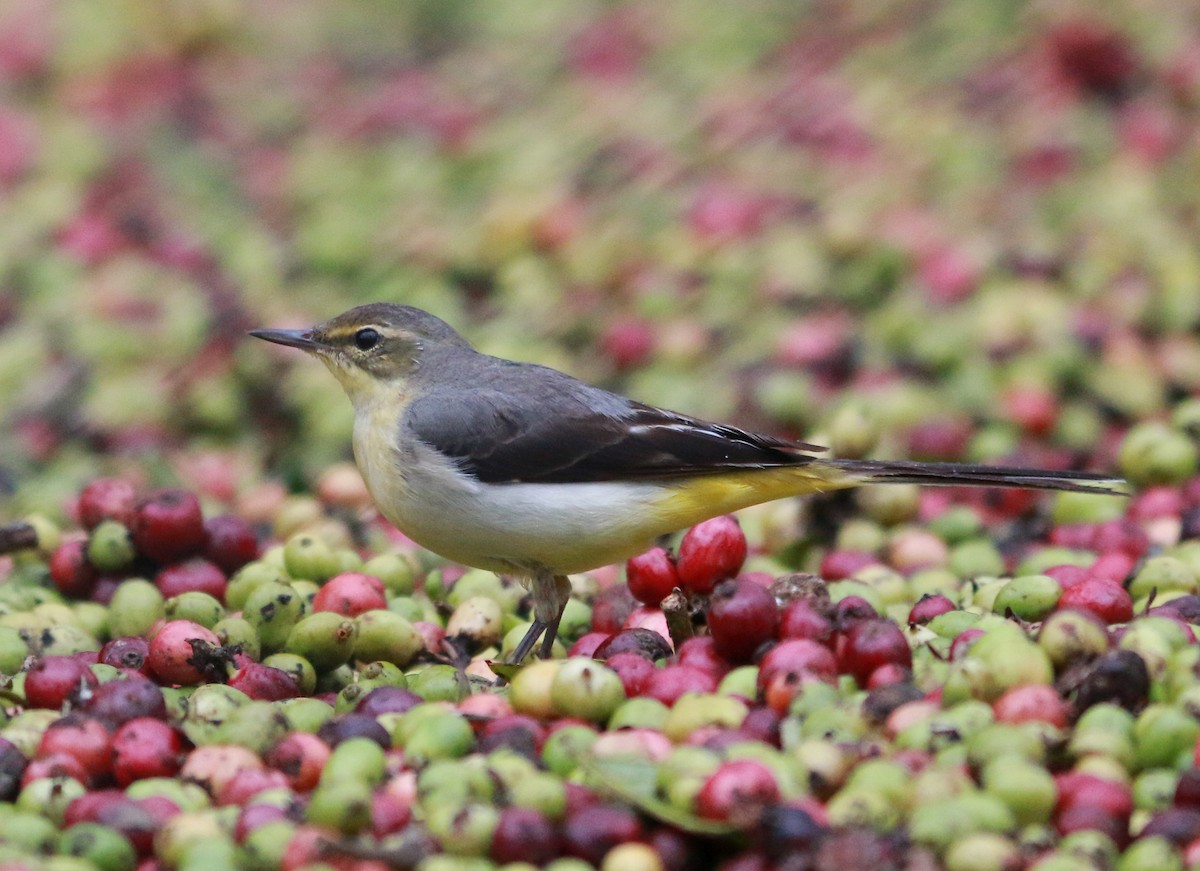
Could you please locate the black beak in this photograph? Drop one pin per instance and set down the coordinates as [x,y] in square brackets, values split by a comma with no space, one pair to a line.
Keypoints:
[301,339]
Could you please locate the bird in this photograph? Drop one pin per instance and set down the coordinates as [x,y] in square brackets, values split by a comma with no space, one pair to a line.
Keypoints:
[526,471]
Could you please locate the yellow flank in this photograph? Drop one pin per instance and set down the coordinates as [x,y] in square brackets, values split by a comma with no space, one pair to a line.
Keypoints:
[692,500]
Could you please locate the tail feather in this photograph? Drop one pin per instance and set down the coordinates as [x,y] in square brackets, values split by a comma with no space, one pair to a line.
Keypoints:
[977,475]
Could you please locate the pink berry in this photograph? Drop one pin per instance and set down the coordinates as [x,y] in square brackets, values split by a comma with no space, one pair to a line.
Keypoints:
[711,551]
[927,607]
[351,594]
[178,650]
[670,682]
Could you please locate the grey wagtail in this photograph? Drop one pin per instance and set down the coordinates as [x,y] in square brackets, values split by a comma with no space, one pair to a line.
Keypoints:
[524,470]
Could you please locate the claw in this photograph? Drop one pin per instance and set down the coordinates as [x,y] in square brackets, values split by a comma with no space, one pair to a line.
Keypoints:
[550,596]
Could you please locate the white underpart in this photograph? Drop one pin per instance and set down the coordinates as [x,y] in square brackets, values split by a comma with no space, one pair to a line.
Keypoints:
[525,528]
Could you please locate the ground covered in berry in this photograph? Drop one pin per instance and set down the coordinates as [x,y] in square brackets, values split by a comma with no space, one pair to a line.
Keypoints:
[939,230]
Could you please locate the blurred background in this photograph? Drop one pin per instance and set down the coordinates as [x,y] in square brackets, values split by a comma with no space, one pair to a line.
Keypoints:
[952,230]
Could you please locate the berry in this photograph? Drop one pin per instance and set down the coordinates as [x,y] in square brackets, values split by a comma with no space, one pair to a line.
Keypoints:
[871,644]
[193,575]
[738,790]
[107,499]
[350,594]
[169,526]
[70,570]
[264,683]
[54,680]
[524,835]
[1106,599]
[741,617]
[801,620]
[711,551]
[145,747]
[651,576]
[231,542]
[182,652]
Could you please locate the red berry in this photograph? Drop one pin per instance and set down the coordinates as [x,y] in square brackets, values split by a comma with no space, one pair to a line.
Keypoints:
[193,575]
[611,609]
[591,831]
[927,607]
[962,642]
[670,682]
[264,683]
[1068,575]
[628,343]
[120,701]
[247,783]
[85,739]
[169,526]
[587,644]
[107,499]
[231,542]
[738,790]
[53,680]
[350,594]
[146,747]
[1032,703]
[701,652]
[54,765]
[851,610]
[301,756]
[711,551]
[253,816]
[837,565]
[651,576]
[634,671]
[801,620]
[1093,57]
[1108,600]
[70,570]
[871,644]
[177,652]
[1079,789]
[389,813]
[800,660]
[524,835]
[1033,408]
[127,652]
[742,616]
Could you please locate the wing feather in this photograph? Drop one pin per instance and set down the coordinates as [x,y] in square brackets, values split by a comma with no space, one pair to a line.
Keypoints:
[530,424]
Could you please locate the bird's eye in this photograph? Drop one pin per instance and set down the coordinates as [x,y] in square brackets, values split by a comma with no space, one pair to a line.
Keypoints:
[366,339]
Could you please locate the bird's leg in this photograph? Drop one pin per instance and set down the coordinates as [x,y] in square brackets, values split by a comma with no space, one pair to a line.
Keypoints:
[550,594]
[561,591]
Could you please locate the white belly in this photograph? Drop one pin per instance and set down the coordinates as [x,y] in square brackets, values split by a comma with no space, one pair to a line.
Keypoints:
[565,528]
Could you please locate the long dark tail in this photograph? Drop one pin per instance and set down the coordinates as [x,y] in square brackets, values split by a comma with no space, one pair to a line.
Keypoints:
[975,475]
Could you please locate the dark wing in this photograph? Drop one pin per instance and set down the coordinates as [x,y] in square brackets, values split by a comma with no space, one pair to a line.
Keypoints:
[549,428]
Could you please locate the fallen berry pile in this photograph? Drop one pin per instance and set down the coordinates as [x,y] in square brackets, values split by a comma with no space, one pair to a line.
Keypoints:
[190,692]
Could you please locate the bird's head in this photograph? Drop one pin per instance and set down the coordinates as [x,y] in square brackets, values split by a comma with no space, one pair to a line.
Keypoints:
[371,349]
